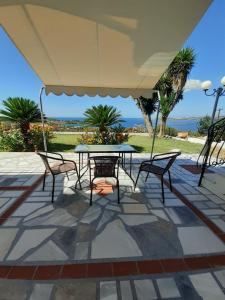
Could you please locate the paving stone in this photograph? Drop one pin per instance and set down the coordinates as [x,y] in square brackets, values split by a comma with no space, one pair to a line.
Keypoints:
[220,223]
[196,197]
[48,252]
[206,286]
[10,194]
[81,251]
[135,208]
[12,222]
[199,240]
[186,288]
[159,213]
[220,275]
[156,203]
[126,292]
[65,239]
[7,235]
[150,238]
[29,239]
[78,208]
[145,289]
[107,215]
[85,232]
[210,212]
[41,291]
[168,288]
[215,199]
[132,220]
[10,290]
[76,290]
[182,215]
[27,208]
[114,241]
[58,217]
[92,214]
[39,212]
[126,199]
[108,290]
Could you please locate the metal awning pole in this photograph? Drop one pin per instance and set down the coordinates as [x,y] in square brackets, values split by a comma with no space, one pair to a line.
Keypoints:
[42,119]
[156,124]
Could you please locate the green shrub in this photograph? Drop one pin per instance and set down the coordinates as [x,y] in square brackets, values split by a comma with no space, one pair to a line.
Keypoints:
[11,140]
[115,135]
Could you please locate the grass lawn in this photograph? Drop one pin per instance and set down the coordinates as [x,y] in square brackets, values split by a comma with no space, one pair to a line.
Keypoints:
[67,142]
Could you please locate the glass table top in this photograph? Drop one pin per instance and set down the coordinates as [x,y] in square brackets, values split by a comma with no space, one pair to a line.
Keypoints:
[83,148]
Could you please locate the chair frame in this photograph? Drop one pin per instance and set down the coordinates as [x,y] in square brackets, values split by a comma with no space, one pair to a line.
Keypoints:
[115,169]
[171,157]
[48,169]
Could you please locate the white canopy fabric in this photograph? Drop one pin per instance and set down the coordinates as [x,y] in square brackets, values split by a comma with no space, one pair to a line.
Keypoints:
[100,47]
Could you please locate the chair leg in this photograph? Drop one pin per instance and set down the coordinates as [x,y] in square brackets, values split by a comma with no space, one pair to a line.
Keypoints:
[78,179]
[91,186]
[171,189]
[67,175]
[43,187]
[163,196]
[118,190]
[147,177]
[137,179]
[53,188]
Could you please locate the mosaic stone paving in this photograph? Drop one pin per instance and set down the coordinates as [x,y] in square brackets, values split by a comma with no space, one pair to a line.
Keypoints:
[186,286]
[141,227]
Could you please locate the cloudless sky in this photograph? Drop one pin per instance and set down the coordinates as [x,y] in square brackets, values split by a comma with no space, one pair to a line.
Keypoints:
[208,40]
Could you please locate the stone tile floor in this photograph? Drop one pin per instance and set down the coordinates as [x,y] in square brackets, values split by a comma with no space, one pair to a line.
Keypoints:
[140,228]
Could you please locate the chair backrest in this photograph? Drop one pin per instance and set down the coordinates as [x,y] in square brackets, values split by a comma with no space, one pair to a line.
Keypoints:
[44,157]
[168,158]
[105,166]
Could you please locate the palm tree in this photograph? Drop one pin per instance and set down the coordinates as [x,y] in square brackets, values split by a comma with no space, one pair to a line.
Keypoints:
[22,112]
[147,107]
[103,117]
[172,82]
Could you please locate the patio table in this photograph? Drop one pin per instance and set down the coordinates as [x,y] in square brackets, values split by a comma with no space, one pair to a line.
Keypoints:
[121,149]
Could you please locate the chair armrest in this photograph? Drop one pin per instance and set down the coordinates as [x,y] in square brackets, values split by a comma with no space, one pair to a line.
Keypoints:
[56,153]
[159,156]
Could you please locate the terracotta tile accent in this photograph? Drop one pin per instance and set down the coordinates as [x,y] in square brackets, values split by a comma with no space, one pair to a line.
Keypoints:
[47,272]
[194,263]
[14,188]
[217,260]
[173,265]
[125,268]
[21,272]
[4,271]
[149,267]
[194,169]
[74,271]
[99,270]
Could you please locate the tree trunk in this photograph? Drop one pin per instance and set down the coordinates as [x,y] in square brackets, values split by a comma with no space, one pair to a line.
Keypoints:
[147,120]
[163,126]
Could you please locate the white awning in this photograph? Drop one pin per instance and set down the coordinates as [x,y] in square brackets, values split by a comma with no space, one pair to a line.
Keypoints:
[100,47]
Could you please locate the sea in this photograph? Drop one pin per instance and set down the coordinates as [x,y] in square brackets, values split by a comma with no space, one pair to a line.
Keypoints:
[179,124]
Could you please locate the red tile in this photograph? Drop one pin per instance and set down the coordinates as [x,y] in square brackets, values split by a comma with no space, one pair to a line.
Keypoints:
[47,272]
[22,272]
[149,267]
[194,263]
[216,260]
[4,270]
[74,271]
[99,269]
[125,268]
[173,265]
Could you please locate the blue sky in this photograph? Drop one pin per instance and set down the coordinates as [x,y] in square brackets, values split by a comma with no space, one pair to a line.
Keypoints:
[208,40]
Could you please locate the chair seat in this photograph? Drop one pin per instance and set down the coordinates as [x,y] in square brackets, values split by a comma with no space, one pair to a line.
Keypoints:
[58,168]
[152,169]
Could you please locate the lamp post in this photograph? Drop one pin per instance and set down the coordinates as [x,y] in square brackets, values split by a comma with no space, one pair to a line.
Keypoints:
[220,91]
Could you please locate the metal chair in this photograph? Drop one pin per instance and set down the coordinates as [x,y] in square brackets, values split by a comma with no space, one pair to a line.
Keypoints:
[104,166]
[56,164]
[150,166]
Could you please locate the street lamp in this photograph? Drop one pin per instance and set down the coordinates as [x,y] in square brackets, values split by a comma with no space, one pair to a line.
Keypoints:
[220,91]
